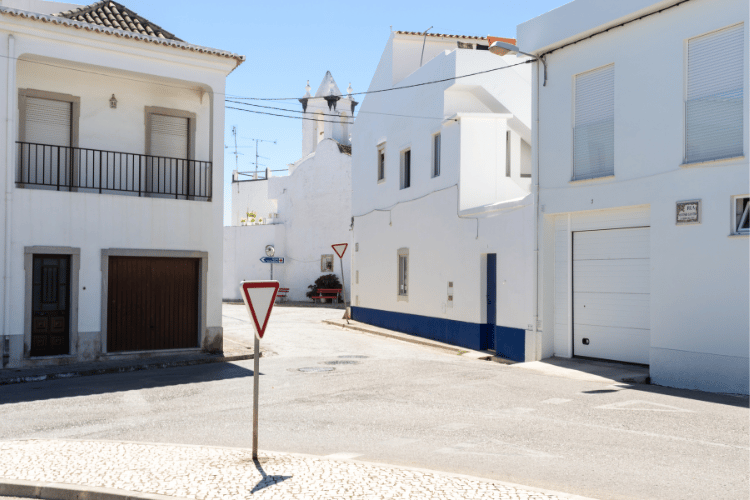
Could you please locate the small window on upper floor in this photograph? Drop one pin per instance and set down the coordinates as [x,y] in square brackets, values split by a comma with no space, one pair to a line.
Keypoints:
[714,101]
[381,162]
[436,155]
[741,222]
[405,168]
[594,124]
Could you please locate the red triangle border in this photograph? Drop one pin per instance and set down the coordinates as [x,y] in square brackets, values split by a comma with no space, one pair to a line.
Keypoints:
[244,286]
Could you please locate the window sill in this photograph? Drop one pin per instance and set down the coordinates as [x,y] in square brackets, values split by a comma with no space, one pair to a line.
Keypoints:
[739,235]
[594,179]
[402,298]
[381,181]
[711,163]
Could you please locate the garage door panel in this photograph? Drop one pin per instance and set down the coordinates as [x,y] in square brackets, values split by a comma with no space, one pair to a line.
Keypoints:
[612,276]
[611,294]
[152,304]
[617,344]
[612,309]
[611,244]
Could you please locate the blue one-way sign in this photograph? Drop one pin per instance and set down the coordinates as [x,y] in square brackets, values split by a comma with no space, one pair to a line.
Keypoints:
[272,260]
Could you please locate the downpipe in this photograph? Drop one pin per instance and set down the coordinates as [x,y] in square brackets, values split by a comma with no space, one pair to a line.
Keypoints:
[9,149]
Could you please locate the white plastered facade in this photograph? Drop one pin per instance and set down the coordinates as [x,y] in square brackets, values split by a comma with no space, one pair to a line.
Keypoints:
[90,66]
[698,273]
[448,223]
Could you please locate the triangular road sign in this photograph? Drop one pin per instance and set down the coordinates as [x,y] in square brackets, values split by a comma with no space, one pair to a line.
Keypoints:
[340,248]
[259,297]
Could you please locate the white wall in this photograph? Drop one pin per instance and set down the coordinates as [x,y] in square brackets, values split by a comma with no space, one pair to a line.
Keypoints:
[472,116]
[251,196]
[139,75]
[699,275]
[314,207]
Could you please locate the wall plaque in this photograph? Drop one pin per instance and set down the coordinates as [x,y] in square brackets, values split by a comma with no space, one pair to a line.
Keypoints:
[689,212]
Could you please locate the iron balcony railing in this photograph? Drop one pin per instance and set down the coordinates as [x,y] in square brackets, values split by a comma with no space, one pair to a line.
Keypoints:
[62,168]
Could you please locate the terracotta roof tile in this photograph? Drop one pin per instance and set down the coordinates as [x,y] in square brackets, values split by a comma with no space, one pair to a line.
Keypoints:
[441,35]
[117,16]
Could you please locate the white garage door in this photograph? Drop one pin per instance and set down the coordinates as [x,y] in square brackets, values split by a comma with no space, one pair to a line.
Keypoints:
[611,294]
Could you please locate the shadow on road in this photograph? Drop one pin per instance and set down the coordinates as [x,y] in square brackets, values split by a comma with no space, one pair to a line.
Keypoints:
[120,382]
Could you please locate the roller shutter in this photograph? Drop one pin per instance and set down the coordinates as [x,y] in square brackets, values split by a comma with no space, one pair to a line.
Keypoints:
[48,122]
[594,129]
[169,136]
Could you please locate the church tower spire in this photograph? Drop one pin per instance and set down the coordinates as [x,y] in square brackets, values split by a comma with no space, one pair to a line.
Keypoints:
[330,114]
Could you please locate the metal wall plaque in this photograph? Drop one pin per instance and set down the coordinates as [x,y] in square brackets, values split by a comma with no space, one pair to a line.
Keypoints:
[688,212]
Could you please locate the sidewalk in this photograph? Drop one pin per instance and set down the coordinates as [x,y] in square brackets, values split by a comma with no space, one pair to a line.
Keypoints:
[109,470]
[233,351]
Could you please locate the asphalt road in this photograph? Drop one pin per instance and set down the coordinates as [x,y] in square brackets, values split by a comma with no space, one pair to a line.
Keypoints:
[404,404]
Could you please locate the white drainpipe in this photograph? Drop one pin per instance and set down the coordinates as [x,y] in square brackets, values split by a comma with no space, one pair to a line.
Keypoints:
[9,171]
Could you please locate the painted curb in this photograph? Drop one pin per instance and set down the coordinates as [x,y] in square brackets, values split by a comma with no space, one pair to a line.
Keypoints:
[62,491]
[124,369]
[413,339]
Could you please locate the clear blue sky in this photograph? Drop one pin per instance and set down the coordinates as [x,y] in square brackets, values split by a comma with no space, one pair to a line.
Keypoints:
[289,42]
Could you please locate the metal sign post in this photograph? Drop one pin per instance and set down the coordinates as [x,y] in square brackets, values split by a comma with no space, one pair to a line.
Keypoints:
[259,297]
[340,249]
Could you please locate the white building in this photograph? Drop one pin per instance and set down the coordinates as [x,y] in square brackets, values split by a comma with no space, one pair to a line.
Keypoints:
[112,133]
[443,216]
[643,175]
[305,212]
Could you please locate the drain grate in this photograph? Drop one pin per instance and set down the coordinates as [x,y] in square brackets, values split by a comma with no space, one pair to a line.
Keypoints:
[315,369]
[341,362]
[354,356]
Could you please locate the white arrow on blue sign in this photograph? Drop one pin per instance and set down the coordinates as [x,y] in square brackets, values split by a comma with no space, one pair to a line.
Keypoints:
[272,260]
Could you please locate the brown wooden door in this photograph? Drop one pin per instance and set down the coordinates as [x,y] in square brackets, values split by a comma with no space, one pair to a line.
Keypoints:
[152,304]
[50,309]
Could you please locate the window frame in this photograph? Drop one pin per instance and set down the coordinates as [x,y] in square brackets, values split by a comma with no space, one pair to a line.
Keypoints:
[738,217]
[437,154]
[324,258]
[381,163]
[177,113]
[75,112]
[405,180]
[686,86]
[402,278]
[574,122]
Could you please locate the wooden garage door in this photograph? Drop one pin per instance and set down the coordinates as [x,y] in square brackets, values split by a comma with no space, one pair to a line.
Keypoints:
[611,294]
[152,304]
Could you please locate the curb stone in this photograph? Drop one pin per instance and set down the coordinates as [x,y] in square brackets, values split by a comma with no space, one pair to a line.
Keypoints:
[61,491]
[84,372]
[461,351]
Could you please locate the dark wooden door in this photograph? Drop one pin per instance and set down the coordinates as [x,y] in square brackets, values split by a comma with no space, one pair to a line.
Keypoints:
[50,309]
[152,304]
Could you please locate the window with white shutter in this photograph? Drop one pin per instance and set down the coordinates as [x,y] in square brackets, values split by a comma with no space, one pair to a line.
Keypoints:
[48,122]
[594,124]
[714,105]
[170,136]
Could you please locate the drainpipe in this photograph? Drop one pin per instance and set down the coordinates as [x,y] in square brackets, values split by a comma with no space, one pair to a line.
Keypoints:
[9,171]
[537,340]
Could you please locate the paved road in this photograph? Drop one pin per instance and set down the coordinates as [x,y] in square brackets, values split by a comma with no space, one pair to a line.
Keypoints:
[410,405]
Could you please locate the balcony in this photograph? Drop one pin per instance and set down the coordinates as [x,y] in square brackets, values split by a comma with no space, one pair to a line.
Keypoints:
[61,168]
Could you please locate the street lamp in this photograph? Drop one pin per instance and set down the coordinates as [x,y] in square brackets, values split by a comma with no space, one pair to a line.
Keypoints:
[501,48]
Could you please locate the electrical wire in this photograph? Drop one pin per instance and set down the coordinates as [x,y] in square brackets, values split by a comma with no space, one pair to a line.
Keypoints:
[331,114]
[258,98]
[284,116]
[392,88]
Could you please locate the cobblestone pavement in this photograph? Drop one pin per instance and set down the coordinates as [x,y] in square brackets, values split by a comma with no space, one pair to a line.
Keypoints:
[230,473]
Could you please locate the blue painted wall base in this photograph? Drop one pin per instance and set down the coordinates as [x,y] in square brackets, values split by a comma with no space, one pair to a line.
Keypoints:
[509,342]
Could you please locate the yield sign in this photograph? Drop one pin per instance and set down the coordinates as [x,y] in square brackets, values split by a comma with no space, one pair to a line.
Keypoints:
[340,248]
[259,297]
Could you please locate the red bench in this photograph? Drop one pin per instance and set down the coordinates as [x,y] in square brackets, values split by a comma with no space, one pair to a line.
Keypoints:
[328,293]
[282,293]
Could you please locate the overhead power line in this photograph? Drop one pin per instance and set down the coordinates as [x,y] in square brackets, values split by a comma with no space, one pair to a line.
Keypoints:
[334,115]
[285,116]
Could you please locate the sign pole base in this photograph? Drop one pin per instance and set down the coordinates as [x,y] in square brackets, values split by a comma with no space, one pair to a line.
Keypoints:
[256,384]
